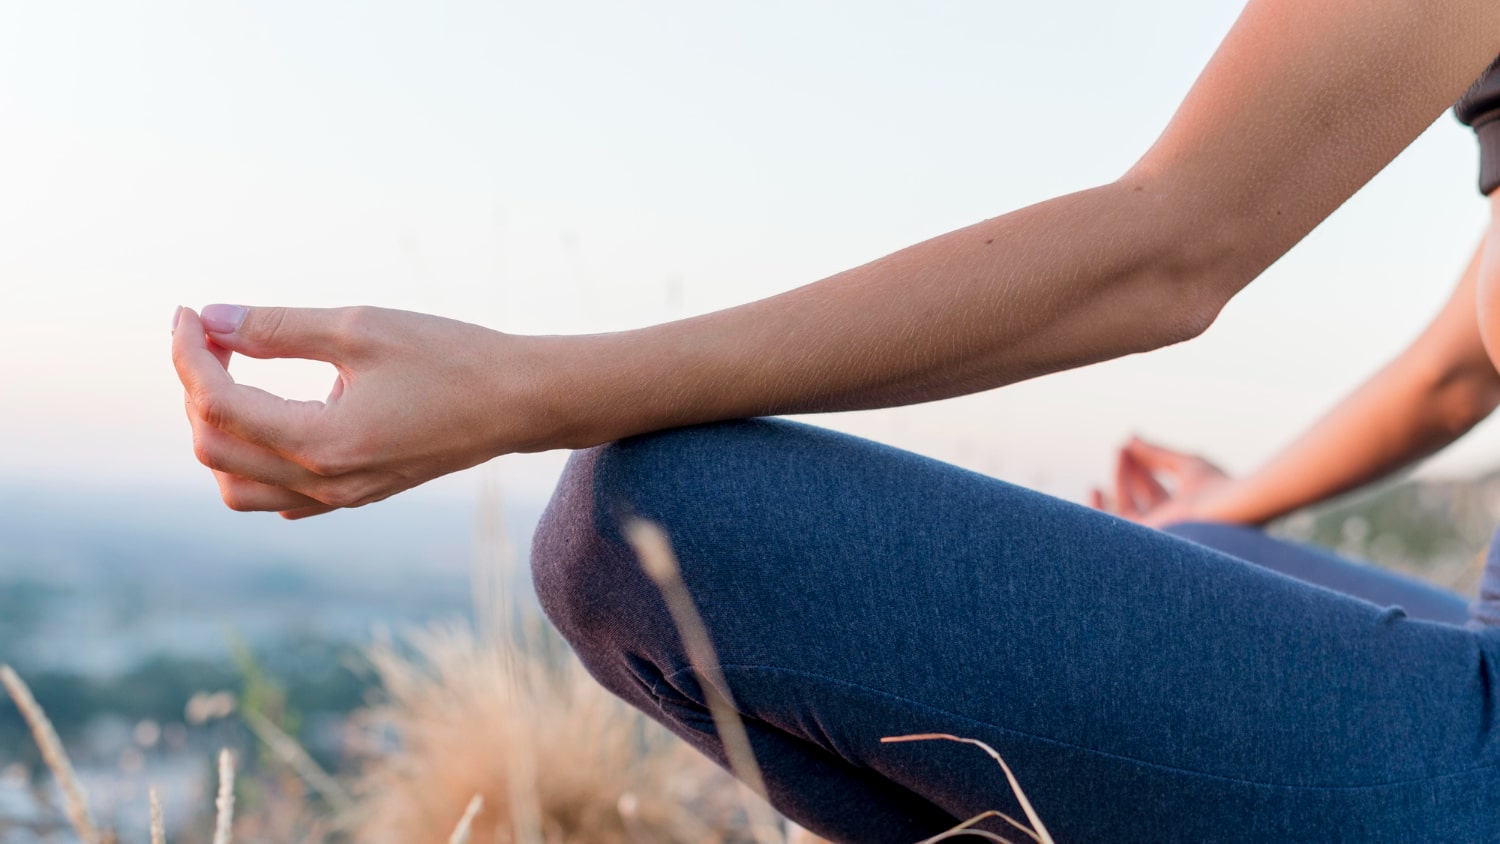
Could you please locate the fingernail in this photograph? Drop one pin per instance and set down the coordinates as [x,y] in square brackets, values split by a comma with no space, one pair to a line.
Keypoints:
[222,319]
[176,315]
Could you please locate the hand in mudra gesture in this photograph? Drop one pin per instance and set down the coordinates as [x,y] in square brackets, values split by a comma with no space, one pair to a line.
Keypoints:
[416,397]
[1157,486]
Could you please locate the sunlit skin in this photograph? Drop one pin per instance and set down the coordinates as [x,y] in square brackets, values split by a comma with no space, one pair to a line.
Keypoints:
[1432,393]
[1300,106]
[1489,285]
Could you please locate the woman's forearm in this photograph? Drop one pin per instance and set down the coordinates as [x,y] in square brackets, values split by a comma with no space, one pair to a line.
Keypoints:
[1271,139]
[1429,396]
[994,303]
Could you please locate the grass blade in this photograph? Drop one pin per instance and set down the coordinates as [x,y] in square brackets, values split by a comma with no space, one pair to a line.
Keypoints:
[289,751]
[158,825]
[53,754]
[1040,834]
[224,804]
[992,813]
[461,832]
[655,552]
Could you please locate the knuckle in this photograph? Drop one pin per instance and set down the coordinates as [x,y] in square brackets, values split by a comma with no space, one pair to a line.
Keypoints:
[203,451]
[236,497]
[332,455]
[352,324]
[353,318]
[326,464]
[210,408]
[340,496]
[354,492]
[271,325]
[236,502]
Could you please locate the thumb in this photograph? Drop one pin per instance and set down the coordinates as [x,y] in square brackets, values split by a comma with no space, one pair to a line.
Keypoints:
[312,333]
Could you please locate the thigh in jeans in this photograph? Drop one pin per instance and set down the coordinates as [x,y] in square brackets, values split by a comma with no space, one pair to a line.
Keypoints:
[1141,686]
[1324,568]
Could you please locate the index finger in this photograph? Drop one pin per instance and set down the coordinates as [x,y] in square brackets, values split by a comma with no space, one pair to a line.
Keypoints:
[1157,458]
[1125,503]
[1148,492]
[242,411]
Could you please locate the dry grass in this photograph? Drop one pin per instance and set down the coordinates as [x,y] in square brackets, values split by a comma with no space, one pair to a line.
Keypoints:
[509,735]
[466,823]
[466,713]
[601,774]
[292,754]
[469,716]
[659,561]
[1037,832]
[53,754]
[511,716]
[224,803]
[158,824]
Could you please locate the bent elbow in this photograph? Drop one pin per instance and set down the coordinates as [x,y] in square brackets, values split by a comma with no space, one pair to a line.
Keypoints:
[1178,306]
[1193,315]
[1462,400]
[1194,260]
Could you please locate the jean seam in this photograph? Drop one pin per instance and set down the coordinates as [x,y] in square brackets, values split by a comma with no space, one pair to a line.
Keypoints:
[726,667]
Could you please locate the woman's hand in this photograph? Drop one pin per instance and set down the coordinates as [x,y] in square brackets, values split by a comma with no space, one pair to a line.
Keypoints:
[416,397]
[1157,486]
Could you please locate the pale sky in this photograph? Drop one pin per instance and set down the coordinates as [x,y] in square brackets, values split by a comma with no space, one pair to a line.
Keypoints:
[549,167]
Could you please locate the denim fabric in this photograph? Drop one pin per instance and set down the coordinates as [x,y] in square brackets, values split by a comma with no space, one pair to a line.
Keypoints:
[1486,609]
[1315,565]
[1142,687]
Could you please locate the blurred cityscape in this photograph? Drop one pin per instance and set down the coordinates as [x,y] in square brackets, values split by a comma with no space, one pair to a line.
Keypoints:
[143,621]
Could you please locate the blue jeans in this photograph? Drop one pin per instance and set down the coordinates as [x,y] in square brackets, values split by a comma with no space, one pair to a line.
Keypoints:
[1141,686]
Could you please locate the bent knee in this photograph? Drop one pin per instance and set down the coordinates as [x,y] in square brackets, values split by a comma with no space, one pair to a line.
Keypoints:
[588,580]
[695,481]
[574,565]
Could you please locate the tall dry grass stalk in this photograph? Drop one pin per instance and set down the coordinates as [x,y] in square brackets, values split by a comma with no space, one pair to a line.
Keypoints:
[224,803]
[660,563]
[295,757]
[47,742]
[158,824]
[496,614]
[461,832]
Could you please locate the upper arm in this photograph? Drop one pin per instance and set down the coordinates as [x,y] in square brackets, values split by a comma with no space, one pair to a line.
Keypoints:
[1450,359]
[1303,103]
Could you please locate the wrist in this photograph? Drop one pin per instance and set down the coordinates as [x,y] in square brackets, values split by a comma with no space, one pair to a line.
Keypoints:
[581,391]
[1234,502]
